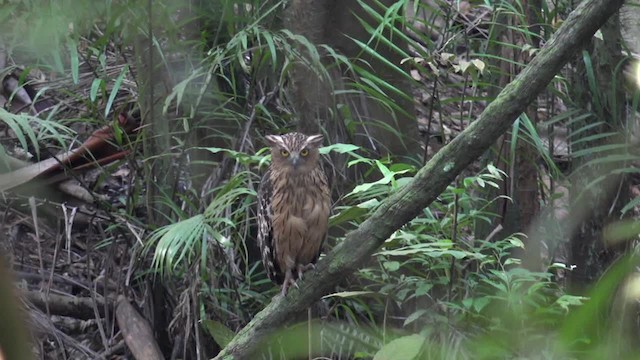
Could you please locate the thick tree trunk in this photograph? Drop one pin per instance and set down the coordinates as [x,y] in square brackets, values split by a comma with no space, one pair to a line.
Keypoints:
[154,84]
[430,181]
[588,252]
[336,23]
[629,19]
[520,205]
[310,93]
[526,194]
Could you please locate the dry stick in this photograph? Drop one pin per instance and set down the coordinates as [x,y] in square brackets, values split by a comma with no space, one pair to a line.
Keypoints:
[65,305]
[430,181]
[137,332]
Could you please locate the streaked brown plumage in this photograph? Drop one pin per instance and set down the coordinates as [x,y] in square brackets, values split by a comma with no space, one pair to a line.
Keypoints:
[293,207]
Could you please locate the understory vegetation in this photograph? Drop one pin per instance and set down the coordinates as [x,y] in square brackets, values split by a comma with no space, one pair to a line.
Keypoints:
[133,142]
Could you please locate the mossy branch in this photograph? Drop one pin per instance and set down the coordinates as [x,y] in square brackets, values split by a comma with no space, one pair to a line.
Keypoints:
[431,180]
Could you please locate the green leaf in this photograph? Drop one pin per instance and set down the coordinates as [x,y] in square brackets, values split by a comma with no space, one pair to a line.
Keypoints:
[565,301]
[339,148]
[176,242]
[467,302]
[432,251]
[516,242]
[115,89]
[406,348]
[75,63]
[353,212]
[423,289]
[481,303]
[387,178]
[240,157]
[179,90]
[630,205]
[512,261]
[10,120]
[391,265]
[220,333]
[347,294]
[415,316]
[95,86]
[620,231]
[384,169]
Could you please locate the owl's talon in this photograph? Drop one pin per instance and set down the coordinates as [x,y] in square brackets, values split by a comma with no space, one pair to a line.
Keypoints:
[304,268]
[288,281]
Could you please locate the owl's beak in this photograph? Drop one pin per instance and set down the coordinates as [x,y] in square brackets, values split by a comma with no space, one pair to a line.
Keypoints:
[295,160]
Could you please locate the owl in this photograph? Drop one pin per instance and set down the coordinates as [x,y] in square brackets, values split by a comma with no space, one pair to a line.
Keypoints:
[293,208]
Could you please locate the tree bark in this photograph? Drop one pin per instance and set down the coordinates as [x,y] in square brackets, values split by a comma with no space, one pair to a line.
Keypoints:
[526,182]
[430,181]
[310,93]
[154,84]
[336,22]
[591,256]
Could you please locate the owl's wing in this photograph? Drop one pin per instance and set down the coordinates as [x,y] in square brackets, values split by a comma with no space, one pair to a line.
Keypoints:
[265,229]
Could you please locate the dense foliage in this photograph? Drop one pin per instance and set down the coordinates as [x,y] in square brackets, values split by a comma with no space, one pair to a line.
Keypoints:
[485,272]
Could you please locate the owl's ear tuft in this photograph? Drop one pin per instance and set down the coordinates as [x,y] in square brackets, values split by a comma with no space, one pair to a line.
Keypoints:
[315,140]
[274,140]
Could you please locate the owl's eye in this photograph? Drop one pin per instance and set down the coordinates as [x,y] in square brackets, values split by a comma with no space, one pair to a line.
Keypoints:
[304,152]
[284,153]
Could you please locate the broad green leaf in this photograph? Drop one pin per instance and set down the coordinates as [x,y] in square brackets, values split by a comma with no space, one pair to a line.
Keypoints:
[620,231]
[406,348]
[220,333]
[423,289]
[391,265]
[414,316]
[339,148]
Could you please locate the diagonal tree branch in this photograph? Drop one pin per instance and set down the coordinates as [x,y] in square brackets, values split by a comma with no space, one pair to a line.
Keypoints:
[431,180]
